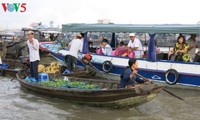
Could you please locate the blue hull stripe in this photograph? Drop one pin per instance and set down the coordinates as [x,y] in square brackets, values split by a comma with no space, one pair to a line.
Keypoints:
[184,78]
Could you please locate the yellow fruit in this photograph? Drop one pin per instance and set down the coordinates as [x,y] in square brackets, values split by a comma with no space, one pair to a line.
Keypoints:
[41,68]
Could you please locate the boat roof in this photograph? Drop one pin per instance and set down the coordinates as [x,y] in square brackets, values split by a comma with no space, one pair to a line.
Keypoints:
[29,29]
[53,32]
[140,28]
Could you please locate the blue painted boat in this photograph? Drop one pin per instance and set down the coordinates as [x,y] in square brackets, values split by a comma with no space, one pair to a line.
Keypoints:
[160,70]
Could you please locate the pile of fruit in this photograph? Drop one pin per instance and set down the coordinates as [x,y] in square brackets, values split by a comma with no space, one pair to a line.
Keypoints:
[68,84]
[51,69]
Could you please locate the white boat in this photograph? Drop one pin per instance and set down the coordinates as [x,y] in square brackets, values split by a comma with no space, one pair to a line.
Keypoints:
[172,72]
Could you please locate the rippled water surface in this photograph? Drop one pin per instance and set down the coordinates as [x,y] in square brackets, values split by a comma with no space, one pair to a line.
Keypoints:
[17,104]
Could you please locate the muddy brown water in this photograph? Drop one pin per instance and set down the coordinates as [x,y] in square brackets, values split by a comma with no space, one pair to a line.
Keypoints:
[17,104]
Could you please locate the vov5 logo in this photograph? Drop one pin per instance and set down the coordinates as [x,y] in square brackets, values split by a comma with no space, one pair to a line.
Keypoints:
[14,7]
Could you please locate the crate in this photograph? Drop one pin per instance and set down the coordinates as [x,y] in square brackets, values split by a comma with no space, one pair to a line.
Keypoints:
[43,77]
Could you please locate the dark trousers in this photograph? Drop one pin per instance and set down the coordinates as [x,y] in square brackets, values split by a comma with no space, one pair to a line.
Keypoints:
[71,62]
[34,69]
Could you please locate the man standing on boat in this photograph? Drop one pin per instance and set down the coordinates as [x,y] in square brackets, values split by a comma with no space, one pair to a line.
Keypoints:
[192,49]
[34,56]
[75,46]
[135,46]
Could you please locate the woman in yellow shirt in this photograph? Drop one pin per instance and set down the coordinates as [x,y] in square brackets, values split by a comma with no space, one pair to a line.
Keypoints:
[180,50]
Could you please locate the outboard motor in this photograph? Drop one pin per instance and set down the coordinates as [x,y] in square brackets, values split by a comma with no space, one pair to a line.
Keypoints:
[86,59]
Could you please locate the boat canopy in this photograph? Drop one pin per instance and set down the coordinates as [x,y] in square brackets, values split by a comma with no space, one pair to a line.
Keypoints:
[50,32]
[141,28]
[29,29]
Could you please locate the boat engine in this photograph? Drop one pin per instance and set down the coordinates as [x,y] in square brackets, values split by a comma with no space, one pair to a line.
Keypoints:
[86,59]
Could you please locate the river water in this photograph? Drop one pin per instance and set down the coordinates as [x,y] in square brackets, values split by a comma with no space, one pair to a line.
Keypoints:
[17,104]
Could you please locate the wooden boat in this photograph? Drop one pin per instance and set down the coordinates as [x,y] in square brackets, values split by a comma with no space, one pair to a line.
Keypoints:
[11,68]
[108,95]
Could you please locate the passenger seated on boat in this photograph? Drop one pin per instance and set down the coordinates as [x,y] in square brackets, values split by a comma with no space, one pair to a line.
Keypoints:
[128,77]
[180,50]
[122,49]
[105,47]
[135,46]
[193,45]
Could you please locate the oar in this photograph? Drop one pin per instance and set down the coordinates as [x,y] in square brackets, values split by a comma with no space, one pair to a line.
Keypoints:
[94,68]
[103,75]
[146,79]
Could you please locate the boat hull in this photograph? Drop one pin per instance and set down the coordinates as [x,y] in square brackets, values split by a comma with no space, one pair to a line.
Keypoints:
[152,70]
[111,98]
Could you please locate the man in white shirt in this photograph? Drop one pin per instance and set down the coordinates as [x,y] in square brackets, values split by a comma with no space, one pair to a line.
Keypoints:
[75,46]
[135,46]
[106,48]
[34,56]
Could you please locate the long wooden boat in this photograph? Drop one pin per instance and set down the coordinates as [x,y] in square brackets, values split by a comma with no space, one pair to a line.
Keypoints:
[109,95]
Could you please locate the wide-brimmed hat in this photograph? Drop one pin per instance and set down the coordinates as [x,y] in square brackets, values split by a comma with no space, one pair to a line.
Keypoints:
[79,35]
[30,32]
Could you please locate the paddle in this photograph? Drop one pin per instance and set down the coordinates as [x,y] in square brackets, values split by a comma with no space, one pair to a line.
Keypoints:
[146,79]
[94,68]
[102,74]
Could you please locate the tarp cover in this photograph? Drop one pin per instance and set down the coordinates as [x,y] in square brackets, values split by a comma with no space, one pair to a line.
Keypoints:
[143,28]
